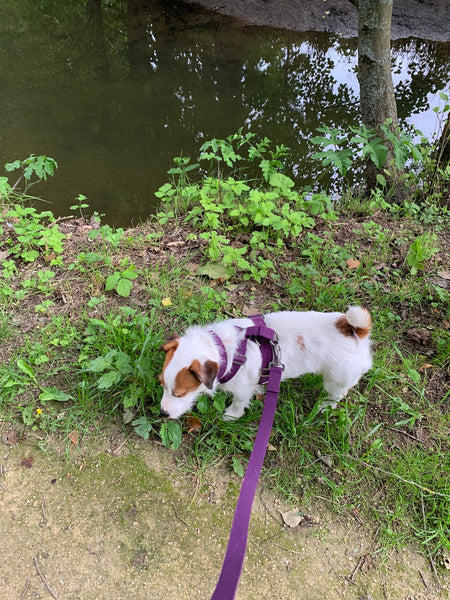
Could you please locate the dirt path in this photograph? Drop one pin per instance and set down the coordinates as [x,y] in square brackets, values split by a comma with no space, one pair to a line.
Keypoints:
[122,520]
[415,18]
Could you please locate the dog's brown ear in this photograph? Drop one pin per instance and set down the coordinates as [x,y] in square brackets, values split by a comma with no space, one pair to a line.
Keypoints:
[206,372]
[169,348]
[172,342]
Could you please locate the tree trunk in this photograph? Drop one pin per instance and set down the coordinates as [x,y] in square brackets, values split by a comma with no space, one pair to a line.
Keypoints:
[377,100]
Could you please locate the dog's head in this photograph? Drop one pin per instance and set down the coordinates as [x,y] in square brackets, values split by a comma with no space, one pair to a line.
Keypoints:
[187,372]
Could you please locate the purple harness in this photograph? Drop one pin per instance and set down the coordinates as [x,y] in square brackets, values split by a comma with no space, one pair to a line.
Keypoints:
[271,370]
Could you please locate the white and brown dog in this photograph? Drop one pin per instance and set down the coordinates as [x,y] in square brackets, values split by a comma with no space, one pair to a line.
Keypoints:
[335,345]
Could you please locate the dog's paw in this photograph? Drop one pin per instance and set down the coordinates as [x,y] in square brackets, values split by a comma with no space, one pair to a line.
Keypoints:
[327,403]
[232,413]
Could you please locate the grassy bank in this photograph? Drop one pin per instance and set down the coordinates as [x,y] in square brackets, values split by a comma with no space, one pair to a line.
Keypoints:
[85,307]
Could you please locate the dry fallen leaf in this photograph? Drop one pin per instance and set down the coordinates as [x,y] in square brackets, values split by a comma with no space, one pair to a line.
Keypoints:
[73,437]
[28,462]
[249,311]
[423,368]
[292,517]
[193,424]
[352,263]
[10,438]
[444,274]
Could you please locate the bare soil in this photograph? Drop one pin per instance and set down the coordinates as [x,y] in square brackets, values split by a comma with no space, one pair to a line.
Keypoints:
[415,18]
[123,520]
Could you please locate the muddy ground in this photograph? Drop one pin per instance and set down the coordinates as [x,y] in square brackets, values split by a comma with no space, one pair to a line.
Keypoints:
[121,518]
[415,18]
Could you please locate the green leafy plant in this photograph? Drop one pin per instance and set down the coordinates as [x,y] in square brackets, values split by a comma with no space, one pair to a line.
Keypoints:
[224,208]
[421,250]
[40,166]
[81,204]
[33,233]
[345,150]
[122,281]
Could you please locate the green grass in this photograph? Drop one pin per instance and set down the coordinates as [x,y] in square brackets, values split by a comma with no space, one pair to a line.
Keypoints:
[78,352]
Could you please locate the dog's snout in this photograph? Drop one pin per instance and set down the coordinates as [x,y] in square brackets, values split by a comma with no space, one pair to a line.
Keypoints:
[164,413]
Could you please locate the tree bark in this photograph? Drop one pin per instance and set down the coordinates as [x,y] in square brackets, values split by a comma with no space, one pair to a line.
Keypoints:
[377,99]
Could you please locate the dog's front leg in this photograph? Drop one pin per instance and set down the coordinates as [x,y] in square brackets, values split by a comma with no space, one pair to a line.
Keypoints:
[237,407]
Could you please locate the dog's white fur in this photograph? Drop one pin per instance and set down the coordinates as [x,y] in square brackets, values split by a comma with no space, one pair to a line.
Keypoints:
[333,344]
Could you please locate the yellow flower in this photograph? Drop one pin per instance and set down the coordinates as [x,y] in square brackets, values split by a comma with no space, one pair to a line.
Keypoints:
[38,411]
[166,302]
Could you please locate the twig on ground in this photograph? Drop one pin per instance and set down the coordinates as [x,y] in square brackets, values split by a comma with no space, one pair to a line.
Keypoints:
[3,486]
[413,437]
[116,480]
[288,549]
[119,448]
[423,580]
[350,578]
[179,517]
[277,521]
[27,585]
[433,566]
[44,580]
[43,510]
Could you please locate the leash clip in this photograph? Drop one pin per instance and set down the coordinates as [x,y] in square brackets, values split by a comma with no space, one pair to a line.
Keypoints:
[276,354]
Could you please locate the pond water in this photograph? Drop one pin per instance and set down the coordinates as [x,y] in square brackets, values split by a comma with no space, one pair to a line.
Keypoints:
[114,93]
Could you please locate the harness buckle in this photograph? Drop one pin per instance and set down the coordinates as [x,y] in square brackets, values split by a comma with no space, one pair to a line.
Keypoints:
[239,359]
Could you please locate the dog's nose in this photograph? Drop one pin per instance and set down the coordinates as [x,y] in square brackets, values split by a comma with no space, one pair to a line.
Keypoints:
[164,413]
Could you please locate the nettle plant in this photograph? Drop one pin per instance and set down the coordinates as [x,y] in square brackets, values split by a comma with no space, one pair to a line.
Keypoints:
[244,207]
[32,233]
[345,151]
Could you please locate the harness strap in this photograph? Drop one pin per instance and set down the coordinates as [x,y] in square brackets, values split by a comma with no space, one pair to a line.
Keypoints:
[222,354]
[259,333]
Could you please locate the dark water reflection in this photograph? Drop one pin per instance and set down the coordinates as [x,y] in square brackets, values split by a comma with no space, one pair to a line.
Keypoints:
[114,93]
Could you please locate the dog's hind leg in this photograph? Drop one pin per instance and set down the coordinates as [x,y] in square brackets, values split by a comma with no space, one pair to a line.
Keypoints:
[335,390]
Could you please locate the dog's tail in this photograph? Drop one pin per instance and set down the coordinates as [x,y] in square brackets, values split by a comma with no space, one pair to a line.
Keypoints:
[356,322]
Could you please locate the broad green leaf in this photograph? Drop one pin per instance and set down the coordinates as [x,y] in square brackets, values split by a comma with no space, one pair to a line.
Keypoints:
[107,380]
[130,273]
[52,393]
[25,368]
[281,181]
[124,287]
[237,466]
[112,280]
[171,434]
[142,427]
[98,365]
[214,270]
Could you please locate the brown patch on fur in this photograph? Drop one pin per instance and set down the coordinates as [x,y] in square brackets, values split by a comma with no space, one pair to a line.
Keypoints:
[206,372]
[185,382]
[169,348]
[346,329]
[301,342]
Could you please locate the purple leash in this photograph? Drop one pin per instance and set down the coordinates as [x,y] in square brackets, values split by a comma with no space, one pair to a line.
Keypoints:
[237,543]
